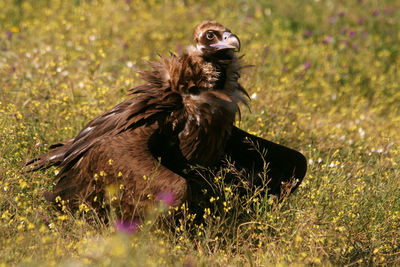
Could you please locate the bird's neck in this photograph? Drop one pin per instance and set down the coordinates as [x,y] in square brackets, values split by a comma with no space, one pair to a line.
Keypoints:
[209,110]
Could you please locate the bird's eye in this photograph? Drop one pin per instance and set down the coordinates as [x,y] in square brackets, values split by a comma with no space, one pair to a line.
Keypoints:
[210,35]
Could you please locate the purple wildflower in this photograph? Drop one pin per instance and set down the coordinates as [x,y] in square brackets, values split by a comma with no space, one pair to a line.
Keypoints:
[328,39]
[8,34]
[166,197]
[341,14]
[126,227]
[365,35]
[307,33]
[307,65]
[352,34]
[332,19]
[387,10]
[375,12]
[284,69]
[360,21]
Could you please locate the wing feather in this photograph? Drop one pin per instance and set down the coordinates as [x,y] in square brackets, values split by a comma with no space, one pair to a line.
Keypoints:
[253,153]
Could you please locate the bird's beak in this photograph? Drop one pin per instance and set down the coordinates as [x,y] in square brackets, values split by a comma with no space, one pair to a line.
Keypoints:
[229,41]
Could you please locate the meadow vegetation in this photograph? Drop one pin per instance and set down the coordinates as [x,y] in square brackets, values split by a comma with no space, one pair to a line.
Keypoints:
[325,81]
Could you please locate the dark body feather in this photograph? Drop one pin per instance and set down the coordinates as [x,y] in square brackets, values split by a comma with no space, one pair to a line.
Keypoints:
[183,115]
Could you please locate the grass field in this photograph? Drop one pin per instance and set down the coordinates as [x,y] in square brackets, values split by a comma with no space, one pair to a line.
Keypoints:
[325,81]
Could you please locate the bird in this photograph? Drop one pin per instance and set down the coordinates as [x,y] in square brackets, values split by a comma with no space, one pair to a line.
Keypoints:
[183,115]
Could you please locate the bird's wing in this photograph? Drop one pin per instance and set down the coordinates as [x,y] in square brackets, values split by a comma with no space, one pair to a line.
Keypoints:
[254,154]
[103,125]
[129,114]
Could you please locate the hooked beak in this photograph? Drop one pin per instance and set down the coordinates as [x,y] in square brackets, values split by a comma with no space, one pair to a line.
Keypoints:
[229,41]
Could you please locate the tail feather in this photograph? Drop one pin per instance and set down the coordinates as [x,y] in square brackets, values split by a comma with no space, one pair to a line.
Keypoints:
[38,163]
[53,158]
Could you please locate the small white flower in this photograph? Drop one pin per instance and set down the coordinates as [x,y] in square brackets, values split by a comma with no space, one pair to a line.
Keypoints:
[377,150]
[361,132]
[129,64]
[253,96]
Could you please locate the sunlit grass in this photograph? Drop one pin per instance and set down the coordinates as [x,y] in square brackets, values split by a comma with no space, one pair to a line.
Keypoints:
[325,81]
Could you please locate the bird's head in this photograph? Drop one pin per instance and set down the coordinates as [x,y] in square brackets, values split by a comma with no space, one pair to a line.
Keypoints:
[213,38]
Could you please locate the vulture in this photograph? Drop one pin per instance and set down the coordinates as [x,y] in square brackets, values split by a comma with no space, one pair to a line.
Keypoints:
[183,115]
